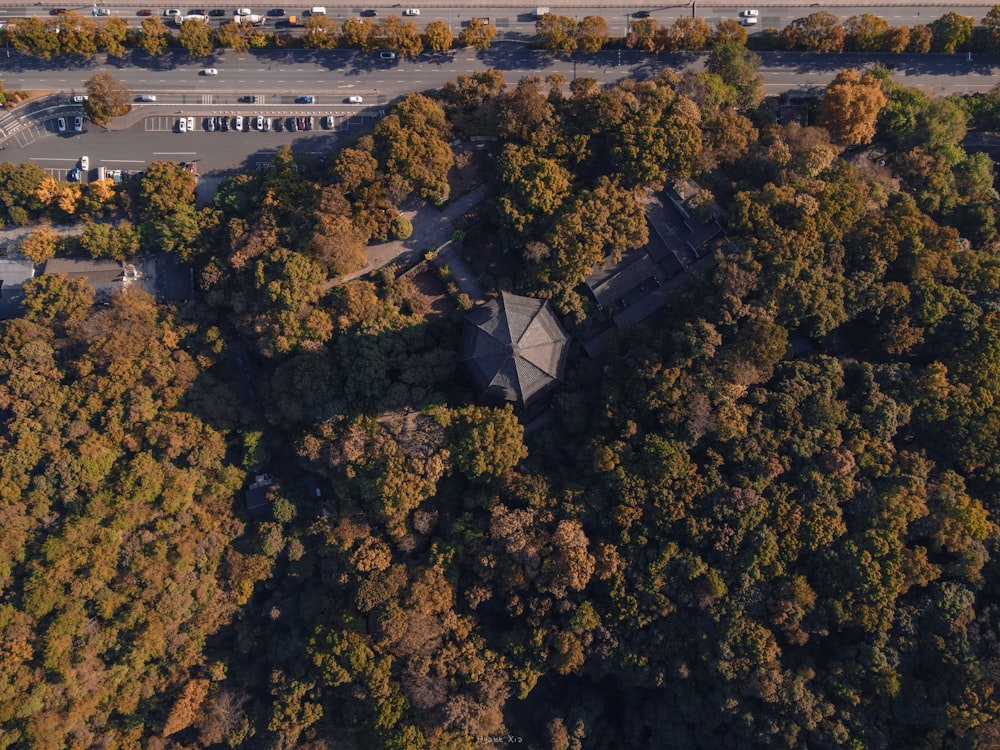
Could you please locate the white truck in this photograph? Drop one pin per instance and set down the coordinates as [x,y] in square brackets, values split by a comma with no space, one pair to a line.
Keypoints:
[179,20]
[539,12]
[253,19]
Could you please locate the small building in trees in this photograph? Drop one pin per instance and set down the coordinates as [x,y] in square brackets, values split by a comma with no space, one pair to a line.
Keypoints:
[258,504]
[514,349]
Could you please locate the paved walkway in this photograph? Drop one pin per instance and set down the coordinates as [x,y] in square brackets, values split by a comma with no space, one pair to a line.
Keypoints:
[461,272]
[432,228]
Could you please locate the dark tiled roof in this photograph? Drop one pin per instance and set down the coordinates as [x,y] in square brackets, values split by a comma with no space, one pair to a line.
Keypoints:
[514,348]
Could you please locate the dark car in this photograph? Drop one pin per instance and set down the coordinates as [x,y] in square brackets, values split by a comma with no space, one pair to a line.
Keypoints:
[216,12]
[309,123]
[279,124]
[248,99]
[145,12]
[276,12]
[225,124]
[57,11]
[306,100]
[641,14]
[196,12]
[370,13]
[292,124]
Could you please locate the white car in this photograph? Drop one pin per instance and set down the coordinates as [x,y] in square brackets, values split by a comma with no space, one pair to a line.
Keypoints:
[260,123]
[172,12]
[411,12]
[80,98]
[61,124]
[182,125]
[328,122]
[749,21]
[242,12]
[355,99]
[103,11]
[190,124]
[84,163]
[78,124]
[239,122]
[267,124]
[210,72]
[750,13]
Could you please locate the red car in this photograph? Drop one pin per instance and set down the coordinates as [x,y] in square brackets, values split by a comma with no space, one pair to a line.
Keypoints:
[57,11]
[145,12]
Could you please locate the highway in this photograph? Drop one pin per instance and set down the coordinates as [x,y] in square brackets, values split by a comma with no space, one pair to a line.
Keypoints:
[277,78]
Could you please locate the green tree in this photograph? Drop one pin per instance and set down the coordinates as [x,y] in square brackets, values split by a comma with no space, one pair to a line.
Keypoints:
[35,37]
[164,188]
[592,33]
[237,36]
[817,32]
[488,442]
[866,32]
[735,65]
[78,35]
[403,36]
[107,98]
[951,32]
[358,32]
[556,33]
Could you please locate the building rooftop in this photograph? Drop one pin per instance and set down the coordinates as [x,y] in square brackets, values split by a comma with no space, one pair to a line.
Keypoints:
[514,348]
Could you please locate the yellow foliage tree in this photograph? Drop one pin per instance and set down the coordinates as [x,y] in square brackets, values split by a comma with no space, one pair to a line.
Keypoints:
[851,105]
[187,707]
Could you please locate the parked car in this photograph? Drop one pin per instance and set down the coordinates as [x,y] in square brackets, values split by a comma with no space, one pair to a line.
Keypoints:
[61,124]
[292,124]
[216,12]
[190,122]
[749,13]
[370,13]
[80,98]
[210,72]
[238,125]
[267,124]
[84,163]
[387,54]
[73,175]
[145,12]
[278,124]
[209,125]
[276,12]
[309,123]
[411,12]
[306,100]
[328,122]
[260,123]
[225,124]
[172,12]
[355,99]
[301,123]
[182,125]
[78,123]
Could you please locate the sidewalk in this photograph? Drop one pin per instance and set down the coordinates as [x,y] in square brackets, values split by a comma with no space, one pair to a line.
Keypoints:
[432,228]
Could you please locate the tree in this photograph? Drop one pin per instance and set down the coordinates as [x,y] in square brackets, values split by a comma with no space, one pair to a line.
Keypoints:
[153,36]
[35,37]
[403,36]
[107,98]
[438,36]
[77,35]
[237,36]
[866,32]
[592,33]
[320,32]
[166,187]
[196,37]
[488,442]
[729,30]
[556,33]
[40,245]
[951,32]
[477,34]
[817,32]
[920,39]
[991,28]
[851,105]
[111,36]
[358,32]
[737,66]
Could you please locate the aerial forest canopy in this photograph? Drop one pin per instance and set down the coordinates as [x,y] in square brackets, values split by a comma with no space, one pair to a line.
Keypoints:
[765,518]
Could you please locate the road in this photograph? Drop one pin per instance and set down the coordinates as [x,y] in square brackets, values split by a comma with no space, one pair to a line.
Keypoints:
[515,21]
[278,77]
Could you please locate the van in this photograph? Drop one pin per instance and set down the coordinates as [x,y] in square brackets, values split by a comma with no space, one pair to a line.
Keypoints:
[147,98]
[317,11]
